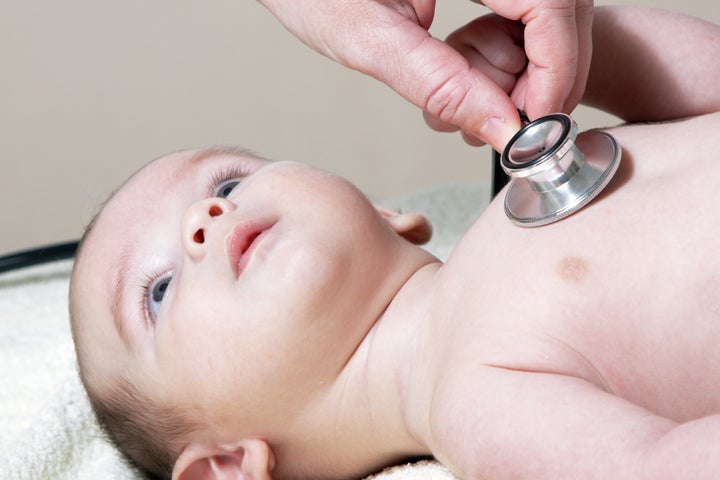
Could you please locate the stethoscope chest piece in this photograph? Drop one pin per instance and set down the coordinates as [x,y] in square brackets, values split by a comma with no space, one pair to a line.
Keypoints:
[554,172]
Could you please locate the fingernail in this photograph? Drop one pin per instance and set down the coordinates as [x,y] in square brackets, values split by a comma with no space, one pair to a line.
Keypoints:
[496,132]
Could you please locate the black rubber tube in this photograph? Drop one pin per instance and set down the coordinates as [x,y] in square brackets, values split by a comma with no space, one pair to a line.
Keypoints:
[499,177]
[36,256]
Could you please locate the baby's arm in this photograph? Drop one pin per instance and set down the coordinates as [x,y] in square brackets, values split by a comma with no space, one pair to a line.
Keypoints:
[528,425]
[653,65]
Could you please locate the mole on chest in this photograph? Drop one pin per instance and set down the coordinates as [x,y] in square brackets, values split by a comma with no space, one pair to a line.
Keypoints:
[572,269]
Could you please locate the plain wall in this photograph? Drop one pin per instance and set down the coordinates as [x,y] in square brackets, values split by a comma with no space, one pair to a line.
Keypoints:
[91,91]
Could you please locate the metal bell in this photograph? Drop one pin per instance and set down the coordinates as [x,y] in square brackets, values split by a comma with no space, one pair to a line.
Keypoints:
[554,172]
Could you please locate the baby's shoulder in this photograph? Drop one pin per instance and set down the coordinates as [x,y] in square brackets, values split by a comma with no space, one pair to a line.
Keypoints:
[666,146]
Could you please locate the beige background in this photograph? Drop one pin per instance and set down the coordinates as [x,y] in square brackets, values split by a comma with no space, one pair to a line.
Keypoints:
[90,91]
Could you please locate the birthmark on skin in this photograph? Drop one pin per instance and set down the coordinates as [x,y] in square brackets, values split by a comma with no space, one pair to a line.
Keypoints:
[572,269]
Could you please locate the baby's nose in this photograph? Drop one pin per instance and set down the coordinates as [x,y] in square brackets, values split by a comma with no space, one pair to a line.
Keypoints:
[197,221]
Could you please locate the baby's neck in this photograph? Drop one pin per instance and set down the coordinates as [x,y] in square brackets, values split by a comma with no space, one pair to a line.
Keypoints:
[383,395]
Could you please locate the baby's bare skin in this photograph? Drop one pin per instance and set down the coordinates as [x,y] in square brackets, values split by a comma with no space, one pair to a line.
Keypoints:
[585,349]
[574,314]
[599,305]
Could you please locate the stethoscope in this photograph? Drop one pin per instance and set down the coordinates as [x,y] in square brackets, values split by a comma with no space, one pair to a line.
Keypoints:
[554,172]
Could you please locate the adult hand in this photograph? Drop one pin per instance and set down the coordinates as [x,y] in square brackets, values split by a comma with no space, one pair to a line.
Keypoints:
[389,40]
[557,39]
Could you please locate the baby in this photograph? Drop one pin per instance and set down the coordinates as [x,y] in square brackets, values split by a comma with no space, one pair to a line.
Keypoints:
[240,318]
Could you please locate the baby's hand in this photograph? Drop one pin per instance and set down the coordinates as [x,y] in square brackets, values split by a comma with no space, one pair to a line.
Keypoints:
[492,45]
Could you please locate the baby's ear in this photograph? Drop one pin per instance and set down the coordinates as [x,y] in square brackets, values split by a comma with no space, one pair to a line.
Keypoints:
[411,226]
[247,460]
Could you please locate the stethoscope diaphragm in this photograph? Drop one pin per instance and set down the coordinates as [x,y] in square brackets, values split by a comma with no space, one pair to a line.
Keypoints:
[554,172]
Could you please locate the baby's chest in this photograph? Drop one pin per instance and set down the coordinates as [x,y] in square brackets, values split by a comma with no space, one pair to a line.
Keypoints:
[654,350]
[634,311]
[624,293]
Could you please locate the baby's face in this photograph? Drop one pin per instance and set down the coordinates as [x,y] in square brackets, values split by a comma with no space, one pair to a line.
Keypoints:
[229,285]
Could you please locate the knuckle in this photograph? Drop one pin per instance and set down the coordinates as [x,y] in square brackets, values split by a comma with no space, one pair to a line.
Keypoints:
[556,8]
[446,100]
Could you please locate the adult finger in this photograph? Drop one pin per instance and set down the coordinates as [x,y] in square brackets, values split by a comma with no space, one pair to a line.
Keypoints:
[389,41]
[558,47]
[440,81]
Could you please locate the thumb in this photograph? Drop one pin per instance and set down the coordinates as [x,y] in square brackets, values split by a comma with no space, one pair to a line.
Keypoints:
[435,77]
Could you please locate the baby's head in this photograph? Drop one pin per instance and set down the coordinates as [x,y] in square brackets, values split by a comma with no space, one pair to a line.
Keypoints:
[217,295]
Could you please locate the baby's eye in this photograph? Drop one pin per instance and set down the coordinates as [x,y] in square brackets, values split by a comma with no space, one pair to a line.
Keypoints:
[223,182]
[155,292]
[224,188]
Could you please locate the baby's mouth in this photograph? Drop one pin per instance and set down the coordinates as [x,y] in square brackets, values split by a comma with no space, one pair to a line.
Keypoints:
[241,242]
